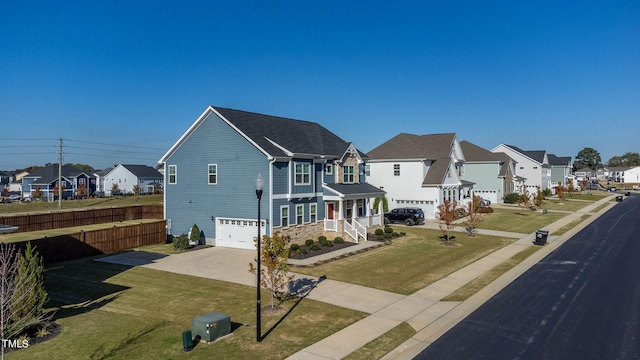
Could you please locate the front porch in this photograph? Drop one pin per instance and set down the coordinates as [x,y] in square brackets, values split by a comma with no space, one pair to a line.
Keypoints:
[349,210]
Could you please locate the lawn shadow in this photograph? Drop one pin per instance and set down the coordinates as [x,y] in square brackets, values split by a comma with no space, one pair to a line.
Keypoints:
[298,289]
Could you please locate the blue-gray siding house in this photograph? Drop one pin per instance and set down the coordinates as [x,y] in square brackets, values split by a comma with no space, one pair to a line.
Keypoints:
[314,182]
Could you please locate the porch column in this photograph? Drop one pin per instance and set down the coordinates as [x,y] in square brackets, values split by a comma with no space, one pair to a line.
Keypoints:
[341,210]
[368,207]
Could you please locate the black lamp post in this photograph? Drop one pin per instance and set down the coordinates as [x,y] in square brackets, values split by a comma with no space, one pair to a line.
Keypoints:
[259,187]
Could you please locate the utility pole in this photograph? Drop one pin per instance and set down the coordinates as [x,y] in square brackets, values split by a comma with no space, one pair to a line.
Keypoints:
[60,178]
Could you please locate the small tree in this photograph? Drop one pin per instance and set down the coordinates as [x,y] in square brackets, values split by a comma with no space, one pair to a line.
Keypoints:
[136,190]
[447,213]
[570,188]
[274,272]
[82,191]
[56,189]
[37,193]
[385,203]
[194,238]
[473,216]
[524,200]
[539,199]
[561,191]
[114,188]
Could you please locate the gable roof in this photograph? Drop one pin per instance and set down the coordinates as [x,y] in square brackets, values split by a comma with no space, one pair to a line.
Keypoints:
[437,172]
[536,155]
[143,171]
[559,161]
[475,153]
[50,170]
[276,136]
[409,146]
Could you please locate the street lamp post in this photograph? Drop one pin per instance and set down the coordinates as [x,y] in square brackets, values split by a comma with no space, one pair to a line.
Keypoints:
[259,187]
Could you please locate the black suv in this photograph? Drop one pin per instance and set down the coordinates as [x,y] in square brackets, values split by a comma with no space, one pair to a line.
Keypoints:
[409,216]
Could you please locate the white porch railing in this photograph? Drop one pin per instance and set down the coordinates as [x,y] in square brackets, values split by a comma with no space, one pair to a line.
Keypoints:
[351,231]
[361,230]
[331,224]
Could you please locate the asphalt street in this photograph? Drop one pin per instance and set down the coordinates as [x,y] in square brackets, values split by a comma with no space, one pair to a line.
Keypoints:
[582,301]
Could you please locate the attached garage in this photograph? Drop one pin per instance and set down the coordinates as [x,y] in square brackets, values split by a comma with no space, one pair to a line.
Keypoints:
[238,233]
[491,195]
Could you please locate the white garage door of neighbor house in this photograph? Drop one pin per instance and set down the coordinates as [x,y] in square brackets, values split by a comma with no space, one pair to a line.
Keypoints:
[490,195]
[238,233]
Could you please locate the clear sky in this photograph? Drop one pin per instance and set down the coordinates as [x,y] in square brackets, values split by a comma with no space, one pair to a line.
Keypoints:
[120,81]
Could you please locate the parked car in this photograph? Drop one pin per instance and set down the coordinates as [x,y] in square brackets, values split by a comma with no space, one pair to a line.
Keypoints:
[409,216]
[611,188]
[11,198]
[628,193]
[484,203]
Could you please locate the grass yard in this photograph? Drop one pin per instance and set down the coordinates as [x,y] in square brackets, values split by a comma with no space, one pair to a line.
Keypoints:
[571,225]
[119,312]
[566,205]
[518,220]
[410,263]
[383,344]
[21,207]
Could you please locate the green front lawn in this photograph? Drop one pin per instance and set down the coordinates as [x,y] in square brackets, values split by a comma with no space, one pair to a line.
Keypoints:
[118,312]
[411,262]
[518,220]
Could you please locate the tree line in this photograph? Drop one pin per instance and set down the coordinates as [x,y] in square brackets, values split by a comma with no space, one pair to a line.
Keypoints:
[590,158]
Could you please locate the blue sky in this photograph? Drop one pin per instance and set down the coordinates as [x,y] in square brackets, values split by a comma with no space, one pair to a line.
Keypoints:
[120,81]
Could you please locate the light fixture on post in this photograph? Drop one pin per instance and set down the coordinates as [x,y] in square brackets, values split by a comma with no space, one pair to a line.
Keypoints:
[259,187]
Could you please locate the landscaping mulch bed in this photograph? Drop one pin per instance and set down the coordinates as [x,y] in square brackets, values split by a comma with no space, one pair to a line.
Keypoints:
[53,329]
[323,250]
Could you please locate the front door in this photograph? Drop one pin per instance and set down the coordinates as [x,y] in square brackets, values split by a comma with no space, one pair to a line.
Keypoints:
[330,211]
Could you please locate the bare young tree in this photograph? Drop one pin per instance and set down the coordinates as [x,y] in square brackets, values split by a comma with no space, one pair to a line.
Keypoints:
[7,275]
[473,216]
[447,213]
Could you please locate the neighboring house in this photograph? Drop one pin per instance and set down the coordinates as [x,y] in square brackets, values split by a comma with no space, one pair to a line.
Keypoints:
[420,171]
[314,182]
[561,171]
[6,178]
[127,177]
[492,173]
[584,174]
[625,175]
[46,179]
[100,176]
[531,165]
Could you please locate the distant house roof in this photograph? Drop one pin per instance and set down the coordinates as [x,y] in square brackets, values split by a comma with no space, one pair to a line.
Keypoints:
[537,155]
[277,136]
[409,146]
[475,153]
[103,172]
[143,171]
[354,189]
[51,170]
[558,160]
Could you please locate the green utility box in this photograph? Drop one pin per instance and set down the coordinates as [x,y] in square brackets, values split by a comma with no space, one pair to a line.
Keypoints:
[211,326]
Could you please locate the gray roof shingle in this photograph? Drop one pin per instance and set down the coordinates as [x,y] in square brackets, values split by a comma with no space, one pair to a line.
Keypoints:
[409,146]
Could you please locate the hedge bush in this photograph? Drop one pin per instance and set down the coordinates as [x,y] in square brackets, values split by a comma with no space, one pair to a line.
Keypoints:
[314,247]
[181,242]
[294,247]
[388,230]
[511,198]
[322,238]
[308,242]
[379,232]
[338,240]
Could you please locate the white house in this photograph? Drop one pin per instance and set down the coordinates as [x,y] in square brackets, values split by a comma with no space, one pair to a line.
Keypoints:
[532,165]
[419,171]
[126,177]
[625,175]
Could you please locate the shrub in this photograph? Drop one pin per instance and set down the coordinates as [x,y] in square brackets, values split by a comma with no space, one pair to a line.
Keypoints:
[314,247]
[388,236]
[388,230]
[338,240]
[485,210]
[546,192]
[511,198]
[308,242]
[301,251]
[324,242]
[294,247]
[181,242]
[195,234]
[395,234]
[322,238]
[379,232]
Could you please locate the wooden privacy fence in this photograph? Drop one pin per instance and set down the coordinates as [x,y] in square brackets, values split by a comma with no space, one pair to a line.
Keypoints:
[61,219]
[90,243]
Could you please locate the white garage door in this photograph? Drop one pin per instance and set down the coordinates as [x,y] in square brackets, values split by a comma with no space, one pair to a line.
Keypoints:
[491,195]
[238,233]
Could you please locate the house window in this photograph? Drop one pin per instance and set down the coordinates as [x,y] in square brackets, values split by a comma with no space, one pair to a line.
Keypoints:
[460,170]
[303,174]
[329,169]
[299,214]
[521,167]
[396,169]
[349,172]
[213,174]
[535,167]
[284,216]
[173,174]
[82,181]
[313,211]
[367,170]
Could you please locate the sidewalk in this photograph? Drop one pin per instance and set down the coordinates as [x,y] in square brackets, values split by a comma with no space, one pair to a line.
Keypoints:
[423,309]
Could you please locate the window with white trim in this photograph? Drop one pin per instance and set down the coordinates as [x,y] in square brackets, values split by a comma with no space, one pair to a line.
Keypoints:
[396,169]
[299,214]
[303,174]
[173,174]
[367,170]
[328,168]
[284,216]
[313,213]
[349,172]
[213,174]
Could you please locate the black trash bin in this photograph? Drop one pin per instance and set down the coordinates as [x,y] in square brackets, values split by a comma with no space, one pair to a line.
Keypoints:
[187,340]
[619,198]
[541,237]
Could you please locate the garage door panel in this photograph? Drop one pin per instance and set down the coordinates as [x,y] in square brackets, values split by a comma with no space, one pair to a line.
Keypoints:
[238,233]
